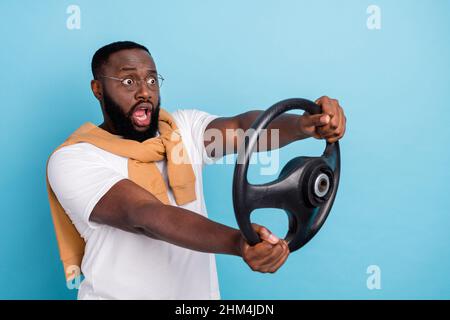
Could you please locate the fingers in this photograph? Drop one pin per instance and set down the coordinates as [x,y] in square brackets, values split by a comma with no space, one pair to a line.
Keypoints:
[265,234]
[335,129]
[339,132]
[280,261]
[331,130]
[276,259]
[316,120]
[308,123]
[257,255]
[328,105]
[265,257]
[269,255]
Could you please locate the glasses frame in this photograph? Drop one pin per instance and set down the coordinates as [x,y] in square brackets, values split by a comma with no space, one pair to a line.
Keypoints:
[159,78]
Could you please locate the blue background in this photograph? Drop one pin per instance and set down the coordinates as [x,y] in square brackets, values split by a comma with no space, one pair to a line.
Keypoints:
[228,57]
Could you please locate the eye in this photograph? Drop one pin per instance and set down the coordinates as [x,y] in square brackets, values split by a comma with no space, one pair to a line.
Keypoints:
[151,81]
[127,82]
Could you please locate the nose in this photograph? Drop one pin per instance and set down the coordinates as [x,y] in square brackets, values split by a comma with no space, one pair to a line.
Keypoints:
[143,92]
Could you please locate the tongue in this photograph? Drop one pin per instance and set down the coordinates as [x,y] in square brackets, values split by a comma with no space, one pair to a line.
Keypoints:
[139,112]
[141,117]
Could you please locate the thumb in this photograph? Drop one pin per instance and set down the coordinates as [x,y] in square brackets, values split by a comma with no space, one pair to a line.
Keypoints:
[265,234]
[316,120]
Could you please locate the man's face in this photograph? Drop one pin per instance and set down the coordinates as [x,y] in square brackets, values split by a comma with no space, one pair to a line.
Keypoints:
[132,110]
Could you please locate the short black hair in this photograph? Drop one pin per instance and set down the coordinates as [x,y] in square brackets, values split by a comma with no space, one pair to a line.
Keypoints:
[101,55]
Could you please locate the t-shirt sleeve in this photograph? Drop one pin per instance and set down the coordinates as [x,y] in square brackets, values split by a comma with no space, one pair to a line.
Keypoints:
[195,122]
[79,178]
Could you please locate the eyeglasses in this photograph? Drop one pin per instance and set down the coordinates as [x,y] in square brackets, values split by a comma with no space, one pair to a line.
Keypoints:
[131,83]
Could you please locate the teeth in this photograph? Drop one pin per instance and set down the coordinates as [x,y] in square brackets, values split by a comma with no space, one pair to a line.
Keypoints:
[144,116]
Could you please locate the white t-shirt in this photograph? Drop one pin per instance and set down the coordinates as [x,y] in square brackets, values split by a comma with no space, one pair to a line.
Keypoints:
[119,264]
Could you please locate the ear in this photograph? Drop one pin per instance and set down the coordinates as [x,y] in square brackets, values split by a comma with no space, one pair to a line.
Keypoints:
[97,89]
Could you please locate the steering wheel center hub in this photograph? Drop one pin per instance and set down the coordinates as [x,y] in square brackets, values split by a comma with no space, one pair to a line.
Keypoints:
[321,185]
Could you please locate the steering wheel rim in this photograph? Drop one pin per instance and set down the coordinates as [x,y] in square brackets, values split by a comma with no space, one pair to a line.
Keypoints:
[306,213]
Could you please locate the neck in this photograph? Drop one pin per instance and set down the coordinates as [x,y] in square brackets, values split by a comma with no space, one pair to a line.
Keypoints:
[107,127]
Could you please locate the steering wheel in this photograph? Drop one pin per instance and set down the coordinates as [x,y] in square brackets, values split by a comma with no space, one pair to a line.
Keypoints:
[305,189]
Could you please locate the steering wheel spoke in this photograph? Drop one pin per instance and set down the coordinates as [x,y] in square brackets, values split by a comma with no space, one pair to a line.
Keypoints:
[300,221]
[275,194]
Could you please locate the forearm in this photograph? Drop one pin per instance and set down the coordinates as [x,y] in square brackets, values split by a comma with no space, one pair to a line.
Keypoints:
[288,126]
[187,229]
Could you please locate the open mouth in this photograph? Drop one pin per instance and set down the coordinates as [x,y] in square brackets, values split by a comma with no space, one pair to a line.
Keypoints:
[142,115]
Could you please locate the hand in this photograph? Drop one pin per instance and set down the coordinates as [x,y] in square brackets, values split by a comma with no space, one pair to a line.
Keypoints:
[329,125]
[268,255]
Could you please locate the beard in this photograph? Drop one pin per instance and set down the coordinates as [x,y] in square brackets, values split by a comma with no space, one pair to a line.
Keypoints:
[124,125]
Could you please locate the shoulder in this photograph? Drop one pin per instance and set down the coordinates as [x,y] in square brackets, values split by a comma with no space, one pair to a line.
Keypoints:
[192,117]
[192,124]
[78,171]
[76,152]
[75,160]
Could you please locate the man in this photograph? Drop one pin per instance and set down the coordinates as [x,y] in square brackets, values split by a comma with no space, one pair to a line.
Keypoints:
[140,213]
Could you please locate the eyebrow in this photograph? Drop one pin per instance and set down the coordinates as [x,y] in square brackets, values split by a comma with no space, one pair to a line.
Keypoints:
[126,68]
